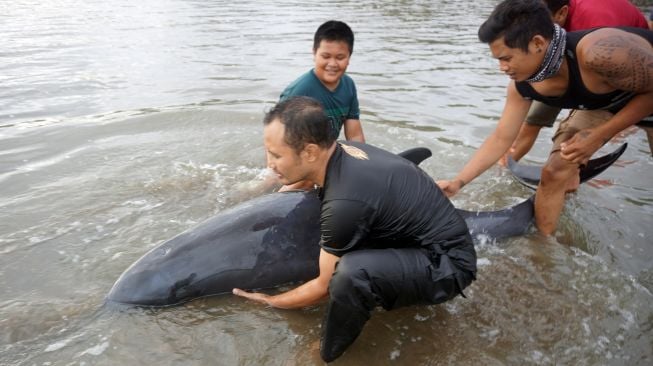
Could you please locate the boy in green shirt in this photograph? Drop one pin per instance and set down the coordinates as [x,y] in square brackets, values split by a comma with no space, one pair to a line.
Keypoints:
[327,82]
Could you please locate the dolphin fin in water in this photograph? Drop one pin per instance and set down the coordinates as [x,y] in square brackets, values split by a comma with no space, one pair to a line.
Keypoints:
[416,155]
[265,242]
[529,175]
[512,221]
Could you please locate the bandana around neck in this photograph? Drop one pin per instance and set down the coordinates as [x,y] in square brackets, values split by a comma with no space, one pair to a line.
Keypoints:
[553,57]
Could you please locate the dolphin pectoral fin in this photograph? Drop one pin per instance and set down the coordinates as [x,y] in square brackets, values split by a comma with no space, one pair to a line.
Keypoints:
[529,175]
[416,155]
[499,224]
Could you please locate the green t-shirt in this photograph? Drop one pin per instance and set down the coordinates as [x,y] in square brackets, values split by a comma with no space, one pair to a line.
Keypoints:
[340,104]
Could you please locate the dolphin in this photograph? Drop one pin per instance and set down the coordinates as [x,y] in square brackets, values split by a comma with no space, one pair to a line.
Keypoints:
[265,242]
[529,175]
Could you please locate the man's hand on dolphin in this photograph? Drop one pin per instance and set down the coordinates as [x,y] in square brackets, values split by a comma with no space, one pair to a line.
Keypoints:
[256,296]
[450,187]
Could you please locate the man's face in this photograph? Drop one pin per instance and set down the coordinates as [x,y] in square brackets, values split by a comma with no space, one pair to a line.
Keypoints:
[288,165]
[516,63]
[331,61]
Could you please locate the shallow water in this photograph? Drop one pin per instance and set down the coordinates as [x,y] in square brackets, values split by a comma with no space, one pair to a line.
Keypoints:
[124,123]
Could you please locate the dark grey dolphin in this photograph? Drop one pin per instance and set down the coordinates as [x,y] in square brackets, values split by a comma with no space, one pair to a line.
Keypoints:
[529,175]
[265,242]
[268,241]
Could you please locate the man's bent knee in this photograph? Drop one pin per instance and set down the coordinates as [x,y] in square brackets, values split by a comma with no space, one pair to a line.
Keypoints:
[557,171]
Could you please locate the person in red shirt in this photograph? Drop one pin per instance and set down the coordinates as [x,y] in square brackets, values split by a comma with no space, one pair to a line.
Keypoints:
[585,14]
[574,15]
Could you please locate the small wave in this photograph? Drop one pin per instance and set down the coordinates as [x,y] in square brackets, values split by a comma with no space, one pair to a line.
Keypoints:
[95,350]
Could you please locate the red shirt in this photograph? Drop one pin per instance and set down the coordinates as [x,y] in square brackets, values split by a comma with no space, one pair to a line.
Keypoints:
[584,14]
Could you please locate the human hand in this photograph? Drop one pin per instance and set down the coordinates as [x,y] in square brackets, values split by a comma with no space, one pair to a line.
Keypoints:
[303,185]
[581,147]
[503,161]
[450,187]
[256,296]
[285,188]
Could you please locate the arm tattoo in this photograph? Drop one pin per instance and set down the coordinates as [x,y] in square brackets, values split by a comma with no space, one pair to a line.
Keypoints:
[624,63]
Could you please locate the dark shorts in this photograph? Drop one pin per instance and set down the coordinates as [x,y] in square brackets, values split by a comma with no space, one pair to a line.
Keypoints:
[541,114]
[576,121]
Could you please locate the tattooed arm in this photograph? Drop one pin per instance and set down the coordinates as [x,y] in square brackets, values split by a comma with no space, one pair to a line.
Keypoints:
[612,59]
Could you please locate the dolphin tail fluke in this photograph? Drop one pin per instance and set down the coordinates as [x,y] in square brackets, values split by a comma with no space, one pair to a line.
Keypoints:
[597,166]
[529,175]
[499,224]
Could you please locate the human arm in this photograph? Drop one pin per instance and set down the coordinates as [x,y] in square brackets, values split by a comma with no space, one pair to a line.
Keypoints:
[495,145]
[539,115]
[354,130]
[310,293]
[523,144]
[613,60]
[580,148]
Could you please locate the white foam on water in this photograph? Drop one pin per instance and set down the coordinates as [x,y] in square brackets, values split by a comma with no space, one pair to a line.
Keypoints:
[480,262]
[96,350]
[61,344]
[57,345]
[395,354]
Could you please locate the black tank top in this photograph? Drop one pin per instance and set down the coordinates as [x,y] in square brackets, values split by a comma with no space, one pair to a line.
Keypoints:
[577,96]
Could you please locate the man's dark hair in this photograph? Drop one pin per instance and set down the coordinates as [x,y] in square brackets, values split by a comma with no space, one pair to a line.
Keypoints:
[518,21]
[334,30]
[555,5]
[305,122]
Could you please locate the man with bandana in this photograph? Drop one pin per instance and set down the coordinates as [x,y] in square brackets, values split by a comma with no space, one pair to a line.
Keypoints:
[389,236]
[606,74]
[574,15]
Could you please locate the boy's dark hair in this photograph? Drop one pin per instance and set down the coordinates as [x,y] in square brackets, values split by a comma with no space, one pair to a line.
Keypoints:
[334,30]
[305,122]
[518,21]
[555,5]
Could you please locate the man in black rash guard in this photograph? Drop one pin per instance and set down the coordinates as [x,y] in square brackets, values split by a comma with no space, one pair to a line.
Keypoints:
[605,74]
[389,236]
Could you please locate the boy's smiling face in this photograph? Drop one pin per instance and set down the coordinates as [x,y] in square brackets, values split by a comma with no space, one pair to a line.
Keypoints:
[331,61]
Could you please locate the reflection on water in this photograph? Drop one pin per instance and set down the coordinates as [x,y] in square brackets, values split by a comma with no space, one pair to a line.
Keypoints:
[125,123]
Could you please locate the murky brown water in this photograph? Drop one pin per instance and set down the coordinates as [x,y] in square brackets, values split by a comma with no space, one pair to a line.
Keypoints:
[124,123]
